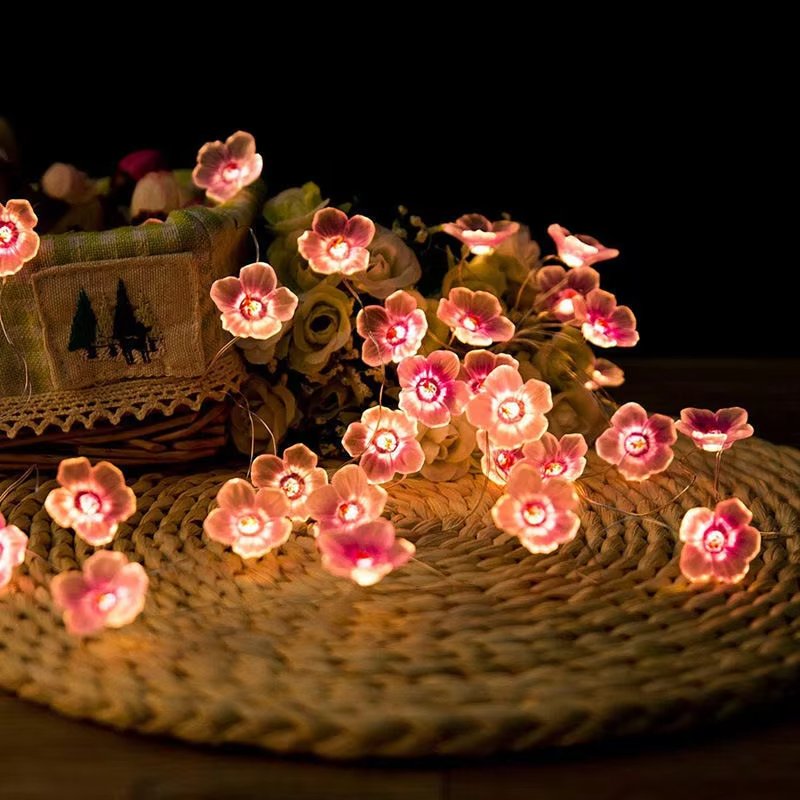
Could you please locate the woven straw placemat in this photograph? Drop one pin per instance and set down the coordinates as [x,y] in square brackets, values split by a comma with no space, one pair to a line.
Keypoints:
[477,646]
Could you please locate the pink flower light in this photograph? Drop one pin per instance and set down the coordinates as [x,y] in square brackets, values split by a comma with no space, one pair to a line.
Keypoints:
[558,458]
[19,243]
[479,234]
[348,501]
[541,513]
[512,412]
[719,544]
[225,168]
[604,323]
[479,364]
[604,373]
[391,332]
[109,593]
[296,475]
[366,553]
[251,522]
[578,250]
[13,543]
[476,318]
[253,305]
[714,431]
[497,462]
[430,392]
[386,441]
[336,244]
[92,500]
[639,445]
[558,289]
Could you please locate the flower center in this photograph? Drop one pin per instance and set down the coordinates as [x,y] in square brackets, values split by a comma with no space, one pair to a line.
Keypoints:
[553,468]
[428,389]
[714,540]
[386,441]
[8,234]
[293,485]
[564,305]
[470,322]
[248,525]
[231,172]
[636,444]
[511,410]
[397,334]
[105,601]
[338,248]
[349,512]
[363,559]
[252,308]
[88,503]
[505,459]
[601,326]
[534,513]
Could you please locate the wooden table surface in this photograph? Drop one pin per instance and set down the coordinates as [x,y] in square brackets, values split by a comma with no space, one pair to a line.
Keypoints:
[45,756]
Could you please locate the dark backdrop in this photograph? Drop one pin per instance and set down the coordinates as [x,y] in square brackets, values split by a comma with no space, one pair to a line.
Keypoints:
[685,186]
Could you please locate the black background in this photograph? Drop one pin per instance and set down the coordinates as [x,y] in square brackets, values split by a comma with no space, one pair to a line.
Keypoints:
[688,180]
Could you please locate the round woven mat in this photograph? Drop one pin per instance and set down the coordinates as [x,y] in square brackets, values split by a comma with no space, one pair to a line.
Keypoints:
[477,646]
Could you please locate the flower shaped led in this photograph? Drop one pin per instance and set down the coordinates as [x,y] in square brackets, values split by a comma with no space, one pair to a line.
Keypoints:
[336,244]
[475,318]
[639,445]
[479,234]
[251,522]
[720,544]
[558,288]
[12,550]
[223,168]
[604,373]
[558,458]
[393,331]
[296,475]
[477,366]
[430,391]
[253,305]
[366,553]
[512,412]
[347,501]
[604,323]
[497,462]
[19,243]
[541,513]
[714,431]
[578,250]
[386,441]
[108,593]
[92,500]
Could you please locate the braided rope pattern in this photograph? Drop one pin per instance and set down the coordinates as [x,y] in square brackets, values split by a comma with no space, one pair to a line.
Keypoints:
[475,647]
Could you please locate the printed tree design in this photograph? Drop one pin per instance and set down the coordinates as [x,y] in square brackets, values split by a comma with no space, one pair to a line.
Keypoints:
[128,330]
[83,334]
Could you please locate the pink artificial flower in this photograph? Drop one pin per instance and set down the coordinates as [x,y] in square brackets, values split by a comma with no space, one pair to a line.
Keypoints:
[366,553]
[251,522]
[479,234]
[393,331]
[92,500]
[558,288]
[386,441]
[348,501]
[511,411]
[719,544]
[578,250]
[19,243]
[558,458]
[336,244]
[639,445]
[714,431]
[108,593]
[541,513]
[13,543]
[604,373]
[476,318]
[430,391]
[497,462]
[225,168]
[253,305]
[296,475]
[604,323]
[477,366]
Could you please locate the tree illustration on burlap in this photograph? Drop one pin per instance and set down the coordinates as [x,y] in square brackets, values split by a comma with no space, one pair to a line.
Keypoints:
[83,334]
[128,329]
